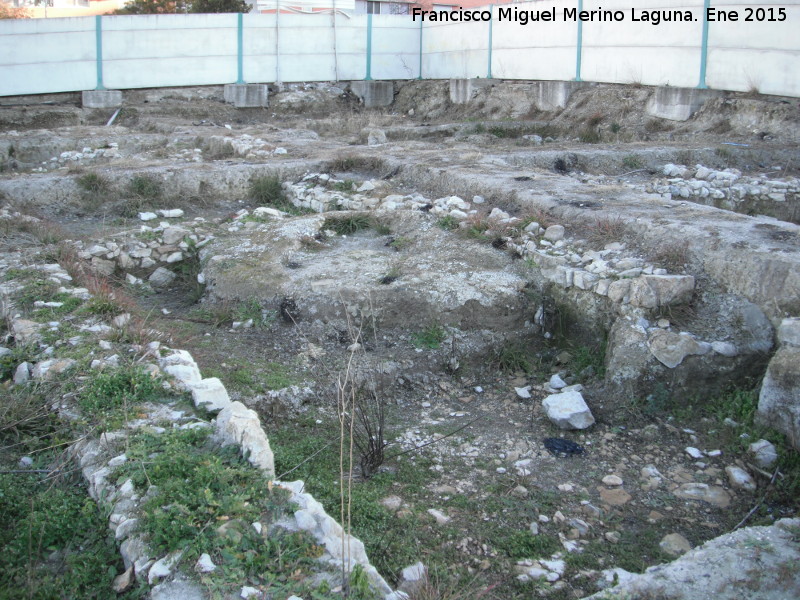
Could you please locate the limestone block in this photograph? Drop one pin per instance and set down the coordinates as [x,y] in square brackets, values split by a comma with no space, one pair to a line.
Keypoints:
[764,453]
[671,348]
[210,394]
[619,291]
[185,374]
[740,479]
[568,411]
[789,331]
[237,424]
[174,235]
[161,277]
[779,399]
[25,331]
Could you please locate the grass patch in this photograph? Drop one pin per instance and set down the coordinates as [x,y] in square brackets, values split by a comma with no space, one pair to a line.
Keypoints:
[673,256]
[267,190]
[254,378]
[589,135]
[631,161]
[56,542]
[207,499]
[401,243]
[430,338]
[346,186]
[351,163]
[347,225]
[93,188]
[606,230]
[585,357]
[109,395]
[188,270]
[447,223]
[391,276]
[145,187]
[512,358]
[36,287]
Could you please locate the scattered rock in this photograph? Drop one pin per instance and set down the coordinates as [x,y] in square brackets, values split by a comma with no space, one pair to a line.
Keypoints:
[740,479]
[523,392]
[393,503]
[675,544]
[612,480]
[693,452]
[711,494]
[161,277]
[671,348]
[568,411]
[614,497]
[22,373]
[554,233]
[440,517]
[764,453]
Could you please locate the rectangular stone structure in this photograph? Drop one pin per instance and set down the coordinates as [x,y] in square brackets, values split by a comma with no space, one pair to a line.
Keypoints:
[101,98]
[463,90]
[374,94]
[677,104]
[247,95]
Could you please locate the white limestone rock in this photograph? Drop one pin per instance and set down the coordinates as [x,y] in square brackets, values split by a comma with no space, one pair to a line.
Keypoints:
[210,394]
[740,479]
[237,424]
[568,410]
[764,453]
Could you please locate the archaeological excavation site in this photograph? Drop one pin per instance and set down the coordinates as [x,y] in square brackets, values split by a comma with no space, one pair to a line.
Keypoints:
[411,339]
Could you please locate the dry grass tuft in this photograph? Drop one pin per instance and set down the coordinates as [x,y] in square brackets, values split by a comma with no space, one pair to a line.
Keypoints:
[606,230]
[673,256]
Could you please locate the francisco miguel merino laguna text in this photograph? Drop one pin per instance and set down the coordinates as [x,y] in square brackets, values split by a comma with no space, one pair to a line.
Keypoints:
[523,17]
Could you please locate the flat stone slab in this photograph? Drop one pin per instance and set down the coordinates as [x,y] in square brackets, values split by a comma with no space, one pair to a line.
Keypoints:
[440,278]
[753,562]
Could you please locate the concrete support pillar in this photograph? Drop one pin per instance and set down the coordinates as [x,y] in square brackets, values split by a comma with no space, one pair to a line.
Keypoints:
[677,104]
[554,95]
[247,95]
[374,94]
[101,99]
[463,90]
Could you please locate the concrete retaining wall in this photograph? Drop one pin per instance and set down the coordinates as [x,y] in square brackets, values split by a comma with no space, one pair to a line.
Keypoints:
[60,55]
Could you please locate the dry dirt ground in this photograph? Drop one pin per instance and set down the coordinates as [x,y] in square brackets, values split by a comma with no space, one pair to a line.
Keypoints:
[484,465]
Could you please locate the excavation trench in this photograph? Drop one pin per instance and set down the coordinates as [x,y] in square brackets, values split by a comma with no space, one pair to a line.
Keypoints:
[454,280]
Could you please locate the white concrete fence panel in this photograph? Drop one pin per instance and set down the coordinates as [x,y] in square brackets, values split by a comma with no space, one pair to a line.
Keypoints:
[758,51]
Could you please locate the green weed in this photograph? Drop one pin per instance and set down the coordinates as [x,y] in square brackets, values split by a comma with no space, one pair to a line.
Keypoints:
[401,243]
[55,542]
[93,188]
[108,391]
[267,190]
[631,161]
[346,186]
[513,357]
[448,223]
[145,187]
[207,499]
[430,338]
[347,225]
[589,135]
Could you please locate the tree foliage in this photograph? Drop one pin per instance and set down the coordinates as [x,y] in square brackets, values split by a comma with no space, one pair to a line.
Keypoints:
[13,12]
[220,6]
[166,7]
